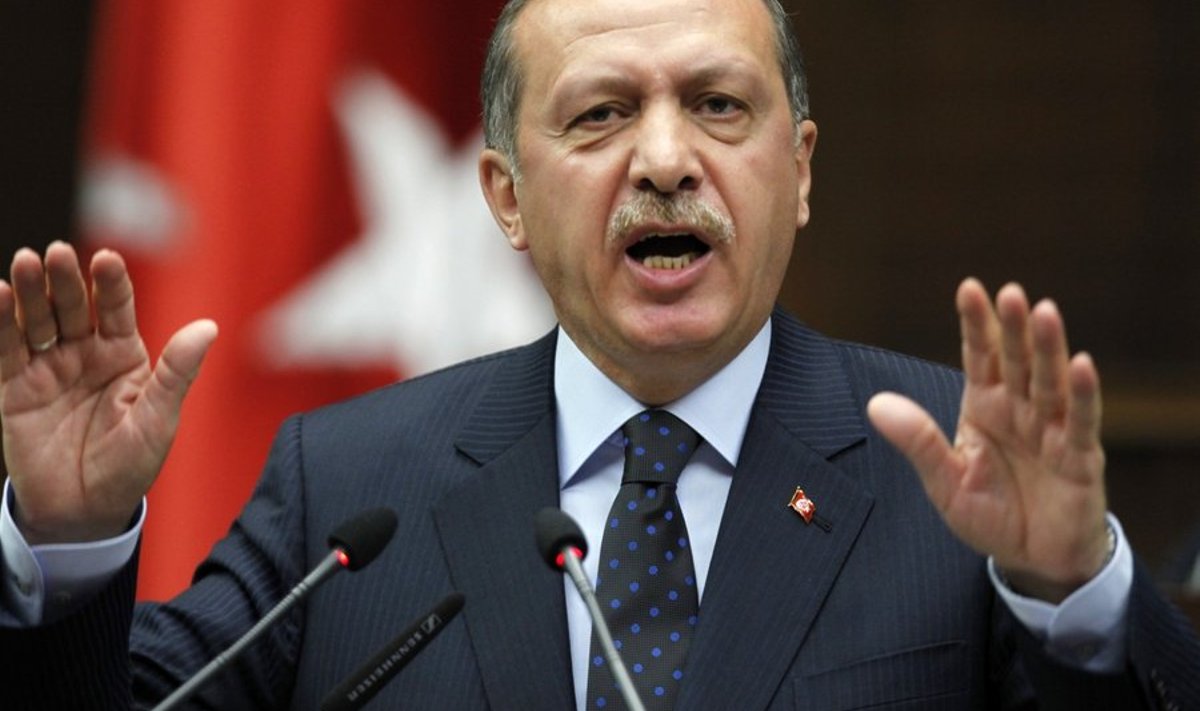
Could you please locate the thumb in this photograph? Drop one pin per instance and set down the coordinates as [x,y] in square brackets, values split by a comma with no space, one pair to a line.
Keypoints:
[914,432]
[178,367]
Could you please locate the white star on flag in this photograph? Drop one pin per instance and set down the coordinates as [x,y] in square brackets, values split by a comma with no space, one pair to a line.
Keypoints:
[431,280]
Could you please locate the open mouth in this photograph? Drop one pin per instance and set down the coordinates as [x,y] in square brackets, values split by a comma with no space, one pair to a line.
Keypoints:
[673,251]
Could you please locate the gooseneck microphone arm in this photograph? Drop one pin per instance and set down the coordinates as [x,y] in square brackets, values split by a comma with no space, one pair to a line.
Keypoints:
[562,545]
[355,543]
[624,682]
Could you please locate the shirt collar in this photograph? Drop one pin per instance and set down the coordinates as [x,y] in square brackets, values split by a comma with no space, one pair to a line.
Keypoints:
[592,408]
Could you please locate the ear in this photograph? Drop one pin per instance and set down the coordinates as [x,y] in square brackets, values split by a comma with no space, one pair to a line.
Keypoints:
[804,152]
[499,189]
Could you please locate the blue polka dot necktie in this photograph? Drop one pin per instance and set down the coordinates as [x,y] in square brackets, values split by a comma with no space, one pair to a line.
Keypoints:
[646,584]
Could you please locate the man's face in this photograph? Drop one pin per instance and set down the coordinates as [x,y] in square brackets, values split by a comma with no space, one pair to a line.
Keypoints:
[661,183]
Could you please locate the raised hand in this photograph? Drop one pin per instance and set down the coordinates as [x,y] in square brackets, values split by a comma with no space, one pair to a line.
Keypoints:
[87,422]
[1024,479]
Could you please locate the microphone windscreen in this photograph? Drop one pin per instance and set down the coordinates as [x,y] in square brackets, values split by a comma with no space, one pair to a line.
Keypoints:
[554,530]
[364,536]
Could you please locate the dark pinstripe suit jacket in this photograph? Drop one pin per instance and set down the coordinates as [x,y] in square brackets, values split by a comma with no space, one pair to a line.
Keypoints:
[885,610]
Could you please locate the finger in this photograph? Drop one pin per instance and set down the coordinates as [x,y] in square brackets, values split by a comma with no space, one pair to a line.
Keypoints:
[13,354]
[68,293]
[1084,409]
[173,375]
[1048,376]
[980,333]
[112,293]
[1012,308]
[912,431]
[34,314]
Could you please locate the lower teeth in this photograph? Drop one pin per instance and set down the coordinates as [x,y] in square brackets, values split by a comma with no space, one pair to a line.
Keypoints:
[660,262]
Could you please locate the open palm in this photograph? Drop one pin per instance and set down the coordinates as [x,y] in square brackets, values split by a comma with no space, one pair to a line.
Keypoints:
[87,422]
[1023,480]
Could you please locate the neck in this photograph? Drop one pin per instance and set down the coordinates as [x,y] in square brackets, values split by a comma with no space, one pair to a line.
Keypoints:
[660,384]
[660,378]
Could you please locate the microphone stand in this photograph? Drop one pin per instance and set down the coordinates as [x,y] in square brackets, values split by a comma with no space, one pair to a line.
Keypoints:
[624,682]
[330,565]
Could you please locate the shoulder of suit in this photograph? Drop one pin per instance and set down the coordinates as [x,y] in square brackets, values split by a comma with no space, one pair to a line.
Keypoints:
[453,385]
[870,368]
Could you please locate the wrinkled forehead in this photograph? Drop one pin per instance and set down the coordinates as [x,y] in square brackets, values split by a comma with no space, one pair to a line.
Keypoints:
[552,36]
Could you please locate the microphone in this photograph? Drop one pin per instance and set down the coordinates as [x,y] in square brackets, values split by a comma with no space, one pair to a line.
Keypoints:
[355,543]
[562,545]
[361,686]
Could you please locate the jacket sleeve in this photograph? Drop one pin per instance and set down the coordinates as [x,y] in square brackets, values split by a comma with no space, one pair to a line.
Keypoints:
[80,661]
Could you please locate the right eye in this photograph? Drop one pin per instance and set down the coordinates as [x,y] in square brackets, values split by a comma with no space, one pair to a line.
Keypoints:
[597,116]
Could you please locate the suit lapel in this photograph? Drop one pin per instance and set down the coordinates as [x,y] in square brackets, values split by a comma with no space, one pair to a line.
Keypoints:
[770,570]
[515,610]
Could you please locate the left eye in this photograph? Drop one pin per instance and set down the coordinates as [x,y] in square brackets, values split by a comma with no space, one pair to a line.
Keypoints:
[719,105]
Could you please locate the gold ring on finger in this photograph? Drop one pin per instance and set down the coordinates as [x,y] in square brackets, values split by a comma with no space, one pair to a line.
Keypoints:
[45,345]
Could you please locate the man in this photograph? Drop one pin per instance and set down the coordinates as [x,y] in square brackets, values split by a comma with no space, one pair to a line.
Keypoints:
[654,158]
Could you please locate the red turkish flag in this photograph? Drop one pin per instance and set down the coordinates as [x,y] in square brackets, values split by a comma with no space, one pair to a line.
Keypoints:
[277,165]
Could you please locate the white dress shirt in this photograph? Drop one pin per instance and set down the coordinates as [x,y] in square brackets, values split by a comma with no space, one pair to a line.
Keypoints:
[591,459]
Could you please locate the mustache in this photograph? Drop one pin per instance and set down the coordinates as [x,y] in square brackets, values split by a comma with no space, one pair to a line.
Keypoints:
[675,209]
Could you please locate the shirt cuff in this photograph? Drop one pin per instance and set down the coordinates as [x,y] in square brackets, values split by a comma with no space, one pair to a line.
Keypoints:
[44,583]
[1086,630]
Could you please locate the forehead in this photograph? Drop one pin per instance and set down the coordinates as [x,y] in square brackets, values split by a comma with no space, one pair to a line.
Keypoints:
[557,37]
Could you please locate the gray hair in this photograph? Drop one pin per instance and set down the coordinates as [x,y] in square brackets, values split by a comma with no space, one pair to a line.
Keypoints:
[501,85]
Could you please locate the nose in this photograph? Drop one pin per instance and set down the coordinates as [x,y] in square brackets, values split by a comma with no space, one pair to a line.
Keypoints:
[664,156]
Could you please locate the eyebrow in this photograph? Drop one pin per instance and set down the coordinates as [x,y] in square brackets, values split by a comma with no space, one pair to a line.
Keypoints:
[570,85]
[714,72]
[604,80]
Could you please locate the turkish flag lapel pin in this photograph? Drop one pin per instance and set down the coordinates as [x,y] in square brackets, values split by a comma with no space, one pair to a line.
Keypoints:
[802,505]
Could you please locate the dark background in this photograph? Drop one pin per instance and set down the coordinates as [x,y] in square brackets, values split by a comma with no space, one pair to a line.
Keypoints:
[1053,143]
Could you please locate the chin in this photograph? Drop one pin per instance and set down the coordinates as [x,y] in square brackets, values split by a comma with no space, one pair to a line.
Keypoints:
[668,334]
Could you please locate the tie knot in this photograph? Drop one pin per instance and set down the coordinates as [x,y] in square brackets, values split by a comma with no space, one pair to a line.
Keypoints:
[657,446]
